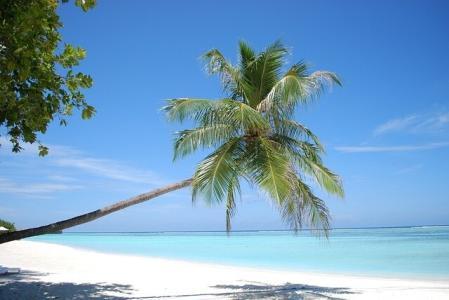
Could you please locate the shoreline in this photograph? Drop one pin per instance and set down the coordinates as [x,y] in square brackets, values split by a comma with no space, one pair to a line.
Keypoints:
[441,279]
[61,269]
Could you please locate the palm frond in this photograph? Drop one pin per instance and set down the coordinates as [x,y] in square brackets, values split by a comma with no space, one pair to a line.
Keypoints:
[296,149]
[214,112]
[267,166]
[229,75]
[234,113]
[302,206]
[181,109]
[296,87]
[247,55]
[320,80]
[263,72]
[187,141]
[215,174]
[296,130]
[323,176]
[233,189]
[287,92]
[307,158]
[318,214]
[245,115]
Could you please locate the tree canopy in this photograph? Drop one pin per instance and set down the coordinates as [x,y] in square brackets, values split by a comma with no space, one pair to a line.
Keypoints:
[38,80]
[254,136]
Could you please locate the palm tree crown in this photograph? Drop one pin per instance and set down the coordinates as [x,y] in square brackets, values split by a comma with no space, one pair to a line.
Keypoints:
[255,137]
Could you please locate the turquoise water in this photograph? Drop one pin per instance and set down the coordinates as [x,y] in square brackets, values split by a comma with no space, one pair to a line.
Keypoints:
[417,252]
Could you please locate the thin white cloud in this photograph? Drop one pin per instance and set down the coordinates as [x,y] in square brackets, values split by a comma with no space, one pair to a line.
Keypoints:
[109,169]
[436,122]
[68,157]
[61,178]
[415,124]
[67,166]
[402,148]
[395,125]
[34,189]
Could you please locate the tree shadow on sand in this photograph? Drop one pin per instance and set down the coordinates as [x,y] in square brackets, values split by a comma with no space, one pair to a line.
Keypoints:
[29,285]
[32,285]
[284,291]
[265,291]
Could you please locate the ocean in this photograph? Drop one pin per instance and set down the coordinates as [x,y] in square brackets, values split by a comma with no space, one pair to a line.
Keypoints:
[406,252]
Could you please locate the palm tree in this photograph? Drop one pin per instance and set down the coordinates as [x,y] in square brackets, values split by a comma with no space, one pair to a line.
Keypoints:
[254,137]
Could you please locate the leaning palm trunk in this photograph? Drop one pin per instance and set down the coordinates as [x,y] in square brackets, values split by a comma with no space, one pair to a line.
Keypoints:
[93,215]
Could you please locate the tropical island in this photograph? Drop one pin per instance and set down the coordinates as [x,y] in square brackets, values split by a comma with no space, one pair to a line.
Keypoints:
[272,179]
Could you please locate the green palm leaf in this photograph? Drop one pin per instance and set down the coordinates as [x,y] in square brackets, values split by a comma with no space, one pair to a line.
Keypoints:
[241,114]
[267,166]
[247,55]
[296,87]
[325,178]
[210,113]
[233,189]
[229,75]
[187,141]
[287,91]
[304,207]
[296,130]
[263,73]
[296,149]
[181,109]
[217,172]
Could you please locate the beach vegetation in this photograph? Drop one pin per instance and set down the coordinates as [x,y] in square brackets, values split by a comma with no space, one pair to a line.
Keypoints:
[38,78]
[8,225]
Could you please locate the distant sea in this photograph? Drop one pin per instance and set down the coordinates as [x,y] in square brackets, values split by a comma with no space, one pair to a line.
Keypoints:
[410,252]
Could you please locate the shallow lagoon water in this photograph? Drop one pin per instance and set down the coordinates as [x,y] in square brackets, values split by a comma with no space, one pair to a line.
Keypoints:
[412,252]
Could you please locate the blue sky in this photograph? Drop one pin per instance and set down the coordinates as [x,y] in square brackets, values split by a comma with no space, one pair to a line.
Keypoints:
[386,131]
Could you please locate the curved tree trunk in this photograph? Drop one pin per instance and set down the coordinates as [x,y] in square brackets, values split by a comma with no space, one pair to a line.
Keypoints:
[93,215]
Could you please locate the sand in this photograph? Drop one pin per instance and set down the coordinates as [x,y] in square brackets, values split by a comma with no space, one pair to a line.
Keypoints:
[52,271]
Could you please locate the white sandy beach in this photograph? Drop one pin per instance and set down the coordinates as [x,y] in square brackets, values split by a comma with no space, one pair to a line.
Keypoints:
[58,272]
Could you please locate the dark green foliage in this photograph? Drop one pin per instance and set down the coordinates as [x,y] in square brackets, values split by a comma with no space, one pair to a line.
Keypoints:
[38,82]
[8,225]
